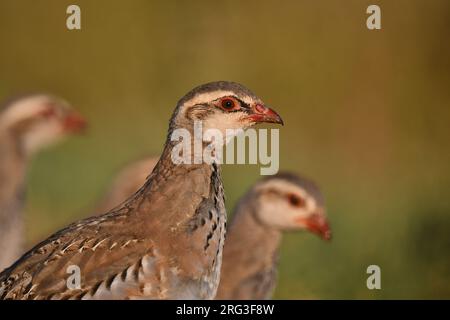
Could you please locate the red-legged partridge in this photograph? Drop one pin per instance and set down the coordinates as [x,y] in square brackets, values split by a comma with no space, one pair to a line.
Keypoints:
[27,124]
[282,202]
[166,240]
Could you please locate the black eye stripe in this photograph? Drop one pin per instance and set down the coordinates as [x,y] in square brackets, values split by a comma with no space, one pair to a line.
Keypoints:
[244,105]
[293,199]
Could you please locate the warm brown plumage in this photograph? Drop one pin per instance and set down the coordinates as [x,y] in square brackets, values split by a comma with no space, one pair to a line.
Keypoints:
[279,203]
[249,265]
[27,124]
[163,242]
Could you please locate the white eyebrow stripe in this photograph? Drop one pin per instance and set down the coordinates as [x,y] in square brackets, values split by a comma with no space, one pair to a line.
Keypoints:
[207,97]
[22,109]
[211,96]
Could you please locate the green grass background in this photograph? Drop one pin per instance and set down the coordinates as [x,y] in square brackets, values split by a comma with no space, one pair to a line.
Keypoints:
[367,116]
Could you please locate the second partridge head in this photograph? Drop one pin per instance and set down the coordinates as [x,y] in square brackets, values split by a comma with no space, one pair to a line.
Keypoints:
[290,202]
[39,120]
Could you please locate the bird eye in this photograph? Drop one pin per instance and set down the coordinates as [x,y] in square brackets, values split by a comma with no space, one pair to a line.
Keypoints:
[296,201]
[228,104]
[48,112]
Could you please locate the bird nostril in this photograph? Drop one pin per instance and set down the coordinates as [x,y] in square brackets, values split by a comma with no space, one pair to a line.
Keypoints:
[260,108]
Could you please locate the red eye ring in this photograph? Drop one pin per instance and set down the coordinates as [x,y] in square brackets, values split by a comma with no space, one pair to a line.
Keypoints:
[296,201]
[228,104]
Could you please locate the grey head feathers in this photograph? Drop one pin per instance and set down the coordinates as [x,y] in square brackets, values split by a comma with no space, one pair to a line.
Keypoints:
[237,88]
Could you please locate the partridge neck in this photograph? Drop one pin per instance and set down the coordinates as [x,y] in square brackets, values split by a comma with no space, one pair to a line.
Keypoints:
[166,164]
[12,172]
[247,230]
[173,188]
[261,234]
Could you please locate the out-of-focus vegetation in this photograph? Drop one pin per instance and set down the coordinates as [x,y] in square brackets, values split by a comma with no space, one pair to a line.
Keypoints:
[367,115]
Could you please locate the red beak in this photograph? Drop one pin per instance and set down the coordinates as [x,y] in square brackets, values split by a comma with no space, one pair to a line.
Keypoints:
[317,223]
[73,122]
[262,113]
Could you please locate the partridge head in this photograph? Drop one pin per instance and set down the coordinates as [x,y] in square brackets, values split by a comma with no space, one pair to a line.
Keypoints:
[276,204]
[39,120]
[222,105]
[288,202]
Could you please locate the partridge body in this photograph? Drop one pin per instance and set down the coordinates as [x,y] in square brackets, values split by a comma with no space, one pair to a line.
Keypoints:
[249,268]
[278,203]
[27,124]
[166,240]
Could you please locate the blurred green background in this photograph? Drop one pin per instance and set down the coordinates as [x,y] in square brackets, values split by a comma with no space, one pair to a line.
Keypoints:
[367,116]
